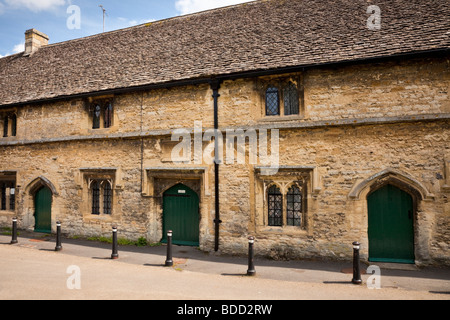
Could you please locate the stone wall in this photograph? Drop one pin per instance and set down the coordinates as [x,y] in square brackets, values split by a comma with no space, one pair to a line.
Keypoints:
[56,145]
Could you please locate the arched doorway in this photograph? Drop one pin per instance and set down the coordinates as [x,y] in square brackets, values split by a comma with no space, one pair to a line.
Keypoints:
[391,225]
[43,210]
[181,215]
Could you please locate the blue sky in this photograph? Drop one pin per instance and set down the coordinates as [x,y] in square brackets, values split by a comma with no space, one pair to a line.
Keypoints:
[51,16]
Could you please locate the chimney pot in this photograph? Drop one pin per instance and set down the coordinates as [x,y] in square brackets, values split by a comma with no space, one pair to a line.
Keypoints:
[34,40]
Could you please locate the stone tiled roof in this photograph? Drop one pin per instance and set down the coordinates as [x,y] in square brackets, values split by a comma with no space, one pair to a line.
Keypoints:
[260,35]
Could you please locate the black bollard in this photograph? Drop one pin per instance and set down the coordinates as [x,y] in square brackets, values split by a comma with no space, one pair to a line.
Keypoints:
[251,264]
[114,254]
[58,237]
[169,260]
[14,231]
[356,264]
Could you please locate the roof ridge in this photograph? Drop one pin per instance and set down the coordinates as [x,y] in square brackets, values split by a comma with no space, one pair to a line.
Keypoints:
[147,24]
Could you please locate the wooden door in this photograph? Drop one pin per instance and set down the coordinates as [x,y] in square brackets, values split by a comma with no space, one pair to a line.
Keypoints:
[391,226]
[181,215]
[43,210]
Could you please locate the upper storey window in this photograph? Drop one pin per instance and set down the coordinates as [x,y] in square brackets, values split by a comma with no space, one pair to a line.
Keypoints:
[291,100]
[102,113]
[283,97]
[9,122]
[272,102]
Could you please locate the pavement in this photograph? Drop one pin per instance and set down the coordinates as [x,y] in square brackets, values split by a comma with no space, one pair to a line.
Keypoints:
[33,270]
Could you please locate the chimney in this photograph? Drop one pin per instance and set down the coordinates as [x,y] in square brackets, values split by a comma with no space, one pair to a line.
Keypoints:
[34,40]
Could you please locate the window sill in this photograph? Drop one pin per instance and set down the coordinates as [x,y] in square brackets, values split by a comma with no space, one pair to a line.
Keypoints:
[103,130]
[7,212]
[281,118]
[102,217]
[9,138]
[286,230]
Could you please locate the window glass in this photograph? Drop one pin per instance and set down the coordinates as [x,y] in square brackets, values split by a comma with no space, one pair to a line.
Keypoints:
[272,102]
[275,206]
[291,101]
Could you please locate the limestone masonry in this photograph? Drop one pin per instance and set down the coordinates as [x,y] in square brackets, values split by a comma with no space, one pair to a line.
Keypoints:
[353,136]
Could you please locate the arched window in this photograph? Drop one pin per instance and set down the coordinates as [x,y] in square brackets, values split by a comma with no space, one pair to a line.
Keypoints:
[5,126]
[95,187]
[13,125]
[291,99]
[108,115]
[8,196]
[3,196]
[107,198]
[294,207]
[275,202]
[272,102]
[96,117]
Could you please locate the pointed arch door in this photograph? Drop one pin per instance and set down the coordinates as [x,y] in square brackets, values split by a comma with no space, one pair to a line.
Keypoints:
[181,215]
[391,226]
[43,210]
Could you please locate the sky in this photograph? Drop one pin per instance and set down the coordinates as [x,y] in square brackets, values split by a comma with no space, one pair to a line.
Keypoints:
[64,20]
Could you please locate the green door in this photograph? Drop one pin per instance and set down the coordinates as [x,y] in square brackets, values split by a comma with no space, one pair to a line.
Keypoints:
[181,215]
[43,210]
[391,226]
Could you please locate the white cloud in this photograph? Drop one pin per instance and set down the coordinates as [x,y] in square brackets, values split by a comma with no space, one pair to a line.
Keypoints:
[35,5]
[191,6]
[19,47]
[2,8]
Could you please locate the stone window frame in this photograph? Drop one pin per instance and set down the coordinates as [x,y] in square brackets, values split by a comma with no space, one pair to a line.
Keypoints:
[8,123]
[282,84]
[308,177]
[85,179]
[104,204]
[8,192]
[284,184]
[105,107]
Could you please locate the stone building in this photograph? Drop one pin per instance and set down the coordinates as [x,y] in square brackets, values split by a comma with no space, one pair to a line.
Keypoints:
[333,120]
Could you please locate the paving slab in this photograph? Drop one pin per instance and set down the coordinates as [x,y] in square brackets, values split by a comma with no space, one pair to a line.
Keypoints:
[325,277]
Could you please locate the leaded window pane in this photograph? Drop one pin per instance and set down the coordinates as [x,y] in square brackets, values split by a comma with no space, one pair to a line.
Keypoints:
[272,102]
[291,100]
[3,195]
[5,126]
[96,117]
[13,125]
[107,198]
[95,187]
[108,115]
[275,203]
[294,206]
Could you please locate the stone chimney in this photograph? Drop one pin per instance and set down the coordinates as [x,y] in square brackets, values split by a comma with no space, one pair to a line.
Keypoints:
[34,40]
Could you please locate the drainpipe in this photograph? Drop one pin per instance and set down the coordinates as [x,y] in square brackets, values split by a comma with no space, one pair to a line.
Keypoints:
[215,86]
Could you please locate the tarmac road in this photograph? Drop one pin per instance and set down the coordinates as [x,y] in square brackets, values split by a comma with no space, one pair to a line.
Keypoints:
[31,270]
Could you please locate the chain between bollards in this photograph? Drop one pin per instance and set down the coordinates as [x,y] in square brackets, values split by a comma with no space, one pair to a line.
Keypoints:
[114,254]
[251,264]
[14,231]
[169,260]
[356,264]
[58,237]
